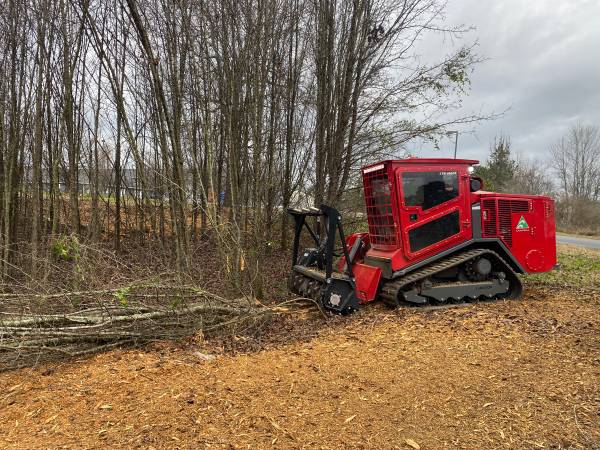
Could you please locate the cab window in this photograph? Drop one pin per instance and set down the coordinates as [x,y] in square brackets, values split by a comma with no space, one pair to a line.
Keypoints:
[429,189]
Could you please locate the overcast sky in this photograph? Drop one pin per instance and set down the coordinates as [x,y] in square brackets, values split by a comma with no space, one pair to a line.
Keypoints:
[542,68]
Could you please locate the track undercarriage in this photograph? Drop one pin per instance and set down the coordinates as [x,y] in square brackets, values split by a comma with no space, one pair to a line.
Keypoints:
[469,276]
[477,274]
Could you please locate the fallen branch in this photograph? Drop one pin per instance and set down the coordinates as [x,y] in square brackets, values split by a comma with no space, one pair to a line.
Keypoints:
[119,318]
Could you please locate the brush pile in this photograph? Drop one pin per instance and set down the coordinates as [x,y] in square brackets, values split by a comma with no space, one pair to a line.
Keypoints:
[91,321]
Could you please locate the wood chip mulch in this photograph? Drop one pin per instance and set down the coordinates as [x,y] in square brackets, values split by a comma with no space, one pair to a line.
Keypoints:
[514,375]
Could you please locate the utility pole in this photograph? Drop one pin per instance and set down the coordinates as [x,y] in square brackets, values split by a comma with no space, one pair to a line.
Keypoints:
[449,133]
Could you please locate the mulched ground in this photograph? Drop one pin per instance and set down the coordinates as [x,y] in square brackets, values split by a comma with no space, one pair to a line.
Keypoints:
[518,374]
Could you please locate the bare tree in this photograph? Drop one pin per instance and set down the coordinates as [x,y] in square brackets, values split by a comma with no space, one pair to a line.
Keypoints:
[358,49]
[531,176]
[172,120]
[576,160]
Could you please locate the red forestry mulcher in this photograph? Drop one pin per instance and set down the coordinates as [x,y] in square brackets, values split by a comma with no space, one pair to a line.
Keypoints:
[434,236]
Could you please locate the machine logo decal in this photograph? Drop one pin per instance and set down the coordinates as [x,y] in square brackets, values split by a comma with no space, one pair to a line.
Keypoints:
[522,225]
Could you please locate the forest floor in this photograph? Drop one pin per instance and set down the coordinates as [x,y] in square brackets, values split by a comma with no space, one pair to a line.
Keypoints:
[508,374]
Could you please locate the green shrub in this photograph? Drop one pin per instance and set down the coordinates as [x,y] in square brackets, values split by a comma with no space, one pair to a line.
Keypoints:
[66,248]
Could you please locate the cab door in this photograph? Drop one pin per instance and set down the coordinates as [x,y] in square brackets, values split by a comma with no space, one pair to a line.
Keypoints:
[434,208]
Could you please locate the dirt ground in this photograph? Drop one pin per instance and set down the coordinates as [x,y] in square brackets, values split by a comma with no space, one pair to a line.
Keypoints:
[516,374]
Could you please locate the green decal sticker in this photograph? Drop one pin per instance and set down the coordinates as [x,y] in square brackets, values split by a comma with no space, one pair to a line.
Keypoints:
[522,225]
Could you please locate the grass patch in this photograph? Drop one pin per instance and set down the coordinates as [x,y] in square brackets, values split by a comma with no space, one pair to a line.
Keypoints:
[578,268]
[593,233]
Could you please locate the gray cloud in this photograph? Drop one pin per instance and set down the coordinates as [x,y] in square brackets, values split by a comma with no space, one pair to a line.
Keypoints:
[542,68]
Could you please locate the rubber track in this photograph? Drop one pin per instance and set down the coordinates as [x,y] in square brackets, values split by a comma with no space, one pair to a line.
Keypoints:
[391,289]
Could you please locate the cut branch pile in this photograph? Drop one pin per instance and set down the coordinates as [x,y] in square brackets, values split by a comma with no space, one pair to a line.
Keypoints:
[112,318]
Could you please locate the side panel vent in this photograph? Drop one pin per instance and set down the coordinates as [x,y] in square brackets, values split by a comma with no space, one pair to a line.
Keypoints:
[378,198]
[497,217]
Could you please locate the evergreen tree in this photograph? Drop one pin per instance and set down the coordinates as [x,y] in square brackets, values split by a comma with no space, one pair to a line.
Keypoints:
[500,169]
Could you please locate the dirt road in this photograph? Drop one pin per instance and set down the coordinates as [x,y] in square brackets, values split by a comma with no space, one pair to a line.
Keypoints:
[521,374]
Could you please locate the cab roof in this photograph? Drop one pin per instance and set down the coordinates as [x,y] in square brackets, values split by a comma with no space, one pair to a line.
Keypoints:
[427,161]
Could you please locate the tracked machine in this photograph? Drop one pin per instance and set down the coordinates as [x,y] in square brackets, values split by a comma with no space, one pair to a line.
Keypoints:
[434,236]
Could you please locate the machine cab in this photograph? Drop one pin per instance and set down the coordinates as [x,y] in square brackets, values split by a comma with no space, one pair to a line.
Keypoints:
[417,208]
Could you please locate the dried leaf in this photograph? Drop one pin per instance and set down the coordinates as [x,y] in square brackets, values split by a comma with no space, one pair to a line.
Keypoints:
[50,419]
[412,443]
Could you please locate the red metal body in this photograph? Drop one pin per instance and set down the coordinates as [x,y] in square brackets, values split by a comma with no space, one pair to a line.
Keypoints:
[533,245]
[408,226]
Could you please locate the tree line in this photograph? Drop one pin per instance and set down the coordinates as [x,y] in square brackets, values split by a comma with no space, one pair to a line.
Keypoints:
[570,174]
[165,120]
